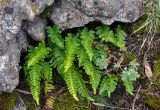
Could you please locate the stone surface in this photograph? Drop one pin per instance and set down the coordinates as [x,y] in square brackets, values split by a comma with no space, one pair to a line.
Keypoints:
[77,13]
[36,28]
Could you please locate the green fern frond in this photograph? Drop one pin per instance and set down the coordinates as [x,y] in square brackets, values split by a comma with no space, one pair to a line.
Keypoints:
[69,77]
[50,103]
[48,87]
[81,55]
[81,85]
[54,33]
[108,84]
[47,71]
[129,86]
[39,53]
[34,74]
[105,34]
[72,44]
[87,37]
[30,49]
[94,75]
[57,61]
[120,37]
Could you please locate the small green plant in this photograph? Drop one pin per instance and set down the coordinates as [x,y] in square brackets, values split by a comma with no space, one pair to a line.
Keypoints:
[129,75]
[77,57]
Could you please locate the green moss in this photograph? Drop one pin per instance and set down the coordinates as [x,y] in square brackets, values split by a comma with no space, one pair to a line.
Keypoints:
[8,101]
[127,57]
[153,102]
[155,53]
[29,102]
[66,102]
[156,71]
[130,57]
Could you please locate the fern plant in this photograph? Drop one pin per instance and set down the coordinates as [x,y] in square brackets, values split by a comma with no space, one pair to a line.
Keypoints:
[36,68]
[79,49]
[76,56]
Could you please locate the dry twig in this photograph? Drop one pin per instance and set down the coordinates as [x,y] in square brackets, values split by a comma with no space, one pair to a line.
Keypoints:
[135,98]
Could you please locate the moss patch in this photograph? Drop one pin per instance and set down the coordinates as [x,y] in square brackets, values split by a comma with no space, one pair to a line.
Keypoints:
[29,103]
[130,57]
[153,102]
[8,101]
[66,102]
[156,71]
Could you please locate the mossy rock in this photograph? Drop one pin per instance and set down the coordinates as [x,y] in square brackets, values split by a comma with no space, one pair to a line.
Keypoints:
[153,101]
[8,101]
[66,102]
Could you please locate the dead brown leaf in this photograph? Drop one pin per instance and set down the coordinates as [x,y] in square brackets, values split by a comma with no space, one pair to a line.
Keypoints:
[147,67]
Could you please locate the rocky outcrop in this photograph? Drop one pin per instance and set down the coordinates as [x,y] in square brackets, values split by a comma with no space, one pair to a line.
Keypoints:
[76,13]
[13,39]
[19,19]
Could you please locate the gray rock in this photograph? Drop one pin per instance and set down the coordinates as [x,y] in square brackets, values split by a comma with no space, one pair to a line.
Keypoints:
[30,8]
[77,13]
[13,40]
[36,29]
[9,61]
[22,40]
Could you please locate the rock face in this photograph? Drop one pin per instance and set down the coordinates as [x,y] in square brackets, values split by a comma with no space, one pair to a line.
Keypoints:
[76,13]
[19,18]
[13,39]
